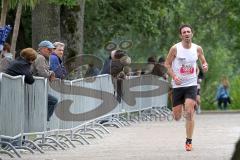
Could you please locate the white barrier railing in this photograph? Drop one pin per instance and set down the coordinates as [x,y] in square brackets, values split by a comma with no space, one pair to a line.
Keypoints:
[36,106]
[11,105]
[24,108]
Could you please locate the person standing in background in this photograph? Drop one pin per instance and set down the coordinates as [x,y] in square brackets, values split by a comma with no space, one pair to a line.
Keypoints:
[223,96]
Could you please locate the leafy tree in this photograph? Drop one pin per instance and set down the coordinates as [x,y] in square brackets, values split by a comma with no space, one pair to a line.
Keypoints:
[152,25]
[26,3]
[47,24]
[16,28]
[111,19]
[72,33]
[12,4]
[4,11]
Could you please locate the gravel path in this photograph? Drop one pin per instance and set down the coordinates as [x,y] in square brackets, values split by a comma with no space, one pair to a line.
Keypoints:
[214,139]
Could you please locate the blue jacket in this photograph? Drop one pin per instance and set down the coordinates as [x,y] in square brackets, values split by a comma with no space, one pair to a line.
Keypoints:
[222,92]
[107,66]
[57,67]
[92,71]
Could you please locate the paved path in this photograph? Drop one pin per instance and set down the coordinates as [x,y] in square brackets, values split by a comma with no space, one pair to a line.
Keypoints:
[214,139]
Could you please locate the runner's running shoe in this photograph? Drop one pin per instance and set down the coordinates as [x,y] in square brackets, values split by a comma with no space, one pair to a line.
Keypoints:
[188,146]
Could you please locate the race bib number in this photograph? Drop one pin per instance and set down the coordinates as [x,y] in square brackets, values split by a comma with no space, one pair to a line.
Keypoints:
[186,69]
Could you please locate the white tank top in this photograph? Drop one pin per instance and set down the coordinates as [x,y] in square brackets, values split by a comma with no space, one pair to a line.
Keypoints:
[184,65]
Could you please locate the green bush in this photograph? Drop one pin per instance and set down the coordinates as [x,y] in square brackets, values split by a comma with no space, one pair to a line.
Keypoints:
[235,92]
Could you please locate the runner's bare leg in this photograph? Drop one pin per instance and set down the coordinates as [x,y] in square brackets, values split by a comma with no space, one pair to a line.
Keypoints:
[189,113]
[177,112]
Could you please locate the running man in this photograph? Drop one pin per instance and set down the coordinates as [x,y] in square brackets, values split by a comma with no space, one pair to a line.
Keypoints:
[181,64]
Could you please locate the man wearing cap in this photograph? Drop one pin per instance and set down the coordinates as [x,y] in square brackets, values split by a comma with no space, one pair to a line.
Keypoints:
[41,64]
[41,67]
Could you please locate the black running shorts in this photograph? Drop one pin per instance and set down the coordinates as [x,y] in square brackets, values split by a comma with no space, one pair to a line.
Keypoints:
[182,93]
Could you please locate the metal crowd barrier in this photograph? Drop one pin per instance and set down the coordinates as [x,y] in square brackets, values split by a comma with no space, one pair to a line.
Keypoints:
[11,111]
[85,107]
[12,105]
[36,106]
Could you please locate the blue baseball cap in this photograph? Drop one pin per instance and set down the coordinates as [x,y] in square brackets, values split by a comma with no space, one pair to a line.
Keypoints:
[46,44]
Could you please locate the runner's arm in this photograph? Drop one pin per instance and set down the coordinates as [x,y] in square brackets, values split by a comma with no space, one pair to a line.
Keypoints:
[168,63]
[202,59]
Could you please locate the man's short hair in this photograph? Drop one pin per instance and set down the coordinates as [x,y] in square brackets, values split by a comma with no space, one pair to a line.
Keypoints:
[56,44]
[184,25]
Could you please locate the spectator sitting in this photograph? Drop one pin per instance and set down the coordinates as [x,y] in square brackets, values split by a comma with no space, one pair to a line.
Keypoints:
[150,65]
[56,64]
[138,72]
[119,60]
[106,66]
[7,57]
[40,68]
[92,70]
[159,69]
[22,65]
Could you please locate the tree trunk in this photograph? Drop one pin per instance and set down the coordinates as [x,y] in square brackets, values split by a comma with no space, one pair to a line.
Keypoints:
[4,12]
[16,28]
[72,21]
[45,23]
